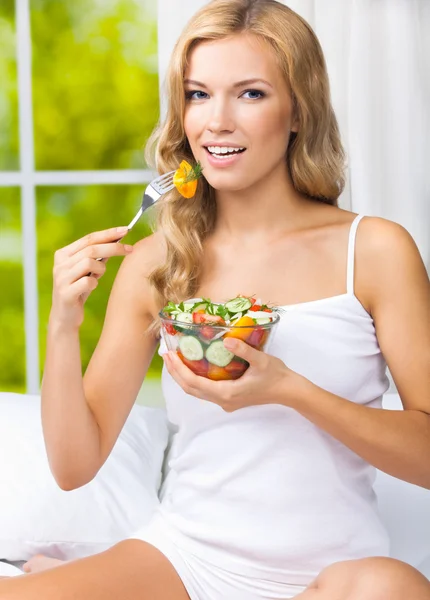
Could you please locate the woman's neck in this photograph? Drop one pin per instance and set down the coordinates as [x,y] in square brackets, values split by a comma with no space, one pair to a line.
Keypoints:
[261,213]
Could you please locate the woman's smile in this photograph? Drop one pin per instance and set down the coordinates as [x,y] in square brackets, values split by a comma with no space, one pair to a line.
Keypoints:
[223,156]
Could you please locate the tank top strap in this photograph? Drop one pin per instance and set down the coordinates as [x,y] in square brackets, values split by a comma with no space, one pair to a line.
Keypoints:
[351,254]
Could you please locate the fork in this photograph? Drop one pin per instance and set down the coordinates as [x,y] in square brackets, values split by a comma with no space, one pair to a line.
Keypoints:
[157,188]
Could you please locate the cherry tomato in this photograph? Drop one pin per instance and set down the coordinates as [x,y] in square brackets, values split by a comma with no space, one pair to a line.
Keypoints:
[255,338]
[198,317]
[218,373]
[255,307]
[170,328]
[207,332]
[199,367]
[236,368]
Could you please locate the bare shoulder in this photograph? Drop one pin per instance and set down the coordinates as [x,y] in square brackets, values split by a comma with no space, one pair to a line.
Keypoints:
[378,235]
[148,254]
[387,259]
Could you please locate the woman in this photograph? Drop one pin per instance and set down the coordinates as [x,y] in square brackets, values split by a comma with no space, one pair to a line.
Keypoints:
[269,491]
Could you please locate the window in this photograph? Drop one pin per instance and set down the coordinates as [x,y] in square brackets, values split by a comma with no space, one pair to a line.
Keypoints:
[79,95]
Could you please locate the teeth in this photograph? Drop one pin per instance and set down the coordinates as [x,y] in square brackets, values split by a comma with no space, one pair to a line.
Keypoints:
[223,149]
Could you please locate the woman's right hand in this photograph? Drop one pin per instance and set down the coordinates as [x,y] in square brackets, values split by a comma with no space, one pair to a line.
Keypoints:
[73,263]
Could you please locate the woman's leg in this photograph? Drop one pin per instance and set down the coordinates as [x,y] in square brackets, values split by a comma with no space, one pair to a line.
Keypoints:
[130,570]
[376,578]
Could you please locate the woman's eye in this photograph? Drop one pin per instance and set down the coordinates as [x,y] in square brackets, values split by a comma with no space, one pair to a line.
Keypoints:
[192,95]
[199,95]
[253,92]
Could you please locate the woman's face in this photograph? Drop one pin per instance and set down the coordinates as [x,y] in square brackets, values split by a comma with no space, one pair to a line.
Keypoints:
[226,110]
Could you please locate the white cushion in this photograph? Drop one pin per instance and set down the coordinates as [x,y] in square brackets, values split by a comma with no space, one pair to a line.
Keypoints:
[36,516]
[405,511]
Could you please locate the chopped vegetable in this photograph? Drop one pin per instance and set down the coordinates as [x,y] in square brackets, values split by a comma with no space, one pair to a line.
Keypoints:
[199,367]
[236,368]
[243,332]
[185,178]
[238,305]
[256,337]
[191,348]
[218,354]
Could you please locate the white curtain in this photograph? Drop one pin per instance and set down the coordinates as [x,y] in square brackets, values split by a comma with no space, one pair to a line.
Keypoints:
[378,58]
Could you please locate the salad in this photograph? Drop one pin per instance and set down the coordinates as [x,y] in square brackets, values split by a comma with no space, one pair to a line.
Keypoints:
[196,331]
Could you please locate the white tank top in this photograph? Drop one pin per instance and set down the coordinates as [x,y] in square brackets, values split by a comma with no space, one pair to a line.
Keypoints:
[263,491]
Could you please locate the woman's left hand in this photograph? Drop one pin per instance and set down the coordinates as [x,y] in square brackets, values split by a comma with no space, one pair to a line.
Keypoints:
[264,382]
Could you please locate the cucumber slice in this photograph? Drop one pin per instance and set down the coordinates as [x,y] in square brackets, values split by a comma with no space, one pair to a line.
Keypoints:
[257,314]
[238,305]
[188,306]
[199,306]
[263,321]
[218,355]
[191,348]
[184,317]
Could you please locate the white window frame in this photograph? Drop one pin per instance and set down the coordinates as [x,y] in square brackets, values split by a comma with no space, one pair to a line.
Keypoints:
[27,178]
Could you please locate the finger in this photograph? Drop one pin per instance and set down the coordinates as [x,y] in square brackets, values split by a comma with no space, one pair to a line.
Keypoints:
[174,363]
[101,251]
[193,384]
[242,349]
[82,268]
[96,237]
[85,285]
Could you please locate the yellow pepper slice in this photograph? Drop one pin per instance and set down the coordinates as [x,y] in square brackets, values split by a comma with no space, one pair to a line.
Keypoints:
[185,178]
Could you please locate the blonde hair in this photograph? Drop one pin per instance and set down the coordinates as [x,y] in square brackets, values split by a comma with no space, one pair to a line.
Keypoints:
[315,156]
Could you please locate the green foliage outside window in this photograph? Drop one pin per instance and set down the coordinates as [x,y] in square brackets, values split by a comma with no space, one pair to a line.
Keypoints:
[95,102]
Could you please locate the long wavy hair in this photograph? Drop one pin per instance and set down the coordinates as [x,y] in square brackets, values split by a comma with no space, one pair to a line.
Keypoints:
[315,157]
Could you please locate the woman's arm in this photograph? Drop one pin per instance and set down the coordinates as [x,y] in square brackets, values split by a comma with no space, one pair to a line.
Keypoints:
[393,277]
[82,416]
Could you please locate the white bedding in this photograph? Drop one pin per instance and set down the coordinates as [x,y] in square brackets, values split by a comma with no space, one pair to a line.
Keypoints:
[405,509]
[11,569]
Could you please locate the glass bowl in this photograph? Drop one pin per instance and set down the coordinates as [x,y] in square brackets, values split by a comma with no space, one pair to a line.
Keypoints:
[200,345]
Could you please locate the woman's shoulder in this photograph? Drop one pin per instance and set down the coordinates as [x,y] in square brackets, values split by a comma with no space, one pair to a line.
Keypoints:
[387,260]
[380,239]
[148,254]
[375,234]
[150,249]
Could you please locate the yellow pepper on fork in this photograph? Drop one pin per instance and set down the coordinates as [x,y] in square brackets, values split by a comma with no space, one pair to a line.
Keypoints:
[185,178]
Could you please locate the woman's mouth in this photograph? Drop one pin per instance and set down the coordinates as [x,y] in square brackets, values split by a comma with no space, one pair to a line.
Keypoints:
[223,156]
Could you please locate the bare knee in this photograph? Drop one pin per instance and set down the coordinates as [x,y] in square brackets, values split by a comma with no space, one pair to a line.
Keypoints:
[375,578]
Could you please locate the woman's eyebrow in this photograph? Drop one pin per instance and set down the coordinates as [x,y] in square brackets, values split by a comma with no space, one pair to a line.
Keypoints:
[236,85]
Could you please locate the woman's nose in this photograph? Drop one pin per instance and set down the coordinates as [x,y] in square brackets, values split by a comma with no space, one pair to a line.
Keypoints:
[220,118]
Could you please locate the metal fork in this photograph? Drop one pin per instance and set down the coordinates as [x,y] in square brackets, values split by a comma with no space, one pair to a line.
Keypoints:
[157,187]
